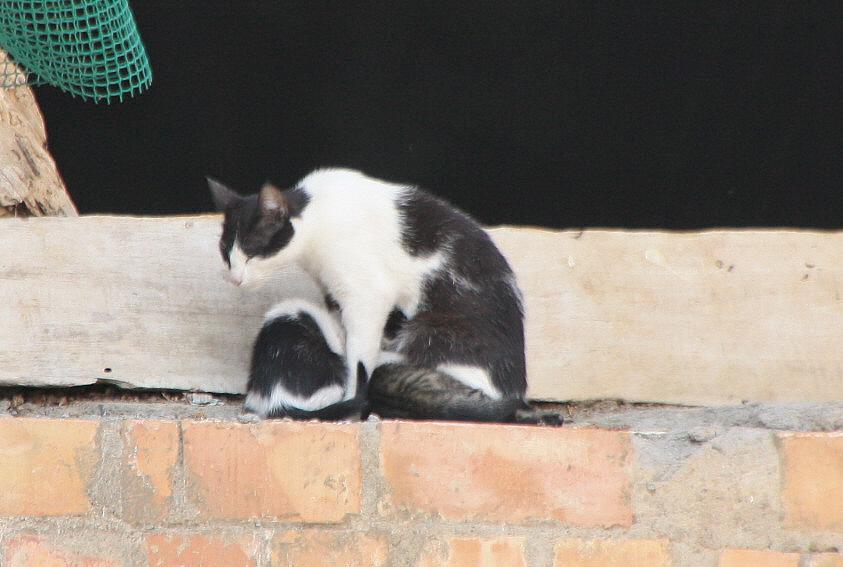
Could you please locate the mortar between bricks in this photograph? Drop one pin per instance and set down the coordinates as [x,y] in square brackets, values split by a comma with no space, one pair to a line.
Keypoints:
[698,482]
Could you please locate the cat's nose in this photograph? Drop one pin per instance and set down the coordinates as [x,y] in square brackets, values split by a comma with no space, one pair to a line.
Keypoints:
[233,279]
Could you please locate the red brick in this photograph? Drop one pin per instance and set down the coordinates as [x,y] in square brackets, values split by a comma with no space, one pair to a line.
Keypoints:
[37,551]
[813,480]
[45,466]
[151,450]
[329,549]
[825,560]
[307,472]
[754,558]
[200,550]
[612,553]
[509,473]
[475,552]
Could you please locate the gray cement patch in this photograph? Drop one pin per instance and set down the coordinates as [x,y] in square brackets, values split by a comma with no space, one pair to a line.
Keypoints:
[703,423]
[685,426]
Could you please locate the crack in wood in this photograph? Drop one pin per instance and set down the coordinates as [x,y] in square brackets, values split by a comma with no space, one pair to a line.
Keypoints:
[23,144]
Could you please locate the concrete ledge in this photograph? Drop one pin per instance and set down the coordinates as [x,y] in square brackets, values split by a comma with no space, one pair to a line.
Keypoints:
[704,318]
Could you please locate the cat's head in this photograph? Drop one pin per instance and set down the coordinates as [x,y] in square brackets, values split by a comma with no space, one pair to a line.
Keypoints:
[257,230]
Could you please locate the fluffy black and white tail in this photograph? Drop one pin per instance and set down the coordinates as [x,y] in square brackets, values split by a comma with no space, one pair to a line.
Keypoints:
[402,391]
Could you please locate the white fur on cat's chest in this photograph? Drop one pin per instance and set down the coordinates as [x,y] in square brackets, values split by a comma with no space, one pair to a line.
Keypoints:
[350,275]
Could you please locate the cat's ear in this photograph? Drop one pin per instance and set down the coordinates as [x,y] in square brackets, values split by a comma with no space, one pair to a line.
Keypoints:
[222,196]
[272,201]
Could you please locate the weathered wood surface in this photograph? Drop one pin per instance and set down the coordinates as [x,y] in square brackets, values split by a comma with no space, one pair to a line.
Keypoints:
[30,183]
[137,301]
[694,318]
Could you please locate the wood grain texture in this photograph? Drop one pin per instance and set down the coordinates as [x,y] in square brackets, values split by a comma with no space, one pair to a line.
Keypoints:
[141,297]
[695,318]
[692,318]
[30,183]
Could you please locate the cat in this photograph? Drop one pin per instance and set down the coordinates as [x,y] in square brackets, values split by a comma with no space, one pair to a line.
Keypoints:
[431,310]
[298,366]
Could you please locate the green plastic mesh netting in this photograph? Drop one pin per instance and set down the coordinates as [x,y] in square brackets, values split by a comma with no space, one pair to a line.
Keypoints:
[88,48]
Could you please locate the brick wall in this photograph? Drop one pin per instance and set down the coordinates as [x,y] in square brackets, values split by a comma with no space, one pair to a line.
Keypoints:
[105,492]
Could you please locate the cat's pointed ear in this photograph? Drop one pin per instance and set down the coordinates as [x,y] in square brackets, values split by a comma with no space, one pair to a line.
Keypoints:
[222,196]
[272,200]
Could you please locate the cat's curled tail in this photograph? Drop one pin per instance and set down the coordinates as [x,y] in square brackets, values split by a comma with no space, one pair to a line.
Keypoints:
[401,391]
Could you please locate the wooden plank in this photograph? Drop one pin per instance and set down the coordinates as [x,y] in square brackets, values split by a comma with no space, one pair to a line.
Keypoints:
[691,318]
[137,301]
[695,318]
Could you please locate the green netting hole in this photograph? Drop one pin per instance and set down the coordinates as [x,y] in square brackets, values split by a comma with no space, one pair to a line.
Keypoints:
[88,48]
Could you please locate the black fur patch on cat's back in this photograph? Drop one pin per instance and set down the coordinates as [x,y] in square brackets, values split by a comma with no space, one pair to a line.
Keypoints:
[426,222]
[292,351]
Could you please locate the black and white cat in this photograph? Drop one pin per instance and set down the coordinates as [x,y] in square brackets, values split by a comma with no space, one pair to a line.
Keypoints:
[298,366]
[454,346]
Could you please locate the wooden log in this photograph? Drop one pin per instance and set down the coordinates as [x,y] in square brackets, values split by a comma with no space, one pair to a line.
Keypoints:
[692,318]
[30,184]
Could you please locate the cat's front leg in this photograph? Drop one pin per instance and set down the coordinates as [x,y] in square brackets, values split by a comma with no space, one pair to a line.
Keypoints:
[364,323]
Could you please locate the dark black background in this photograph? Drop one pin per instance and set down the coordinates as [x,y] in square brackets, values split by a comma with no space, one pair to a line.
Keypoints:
[545,113]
